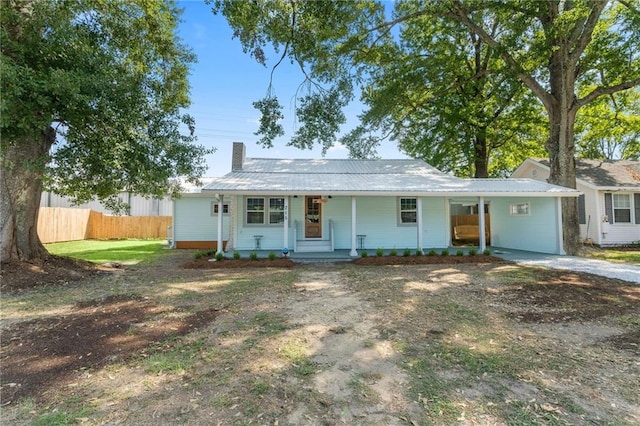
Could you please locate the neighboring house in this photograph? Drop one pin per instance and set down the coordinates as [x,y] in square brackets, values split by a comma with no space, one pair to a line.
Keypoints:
[325,205]
[609,209]
[139,205]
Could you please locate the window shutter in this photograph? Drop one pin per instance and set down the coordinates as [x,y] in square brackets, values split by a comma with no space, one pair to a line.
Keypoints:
[608,206]
[582,214]
[636,203]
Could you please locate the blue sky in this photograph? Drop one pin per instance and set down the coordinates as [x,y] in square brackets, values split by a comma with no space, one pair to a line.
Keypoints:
[224,84]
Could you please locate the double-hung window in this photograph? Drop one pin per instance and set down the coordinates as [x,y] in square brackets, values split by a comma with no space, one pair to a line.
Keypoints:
[408,208]
[618,207]
[276,211]
[264,210]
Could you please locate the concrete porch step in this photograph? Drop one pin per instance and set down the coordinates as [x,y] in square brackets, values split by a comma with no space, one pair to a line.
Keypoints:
[311,246]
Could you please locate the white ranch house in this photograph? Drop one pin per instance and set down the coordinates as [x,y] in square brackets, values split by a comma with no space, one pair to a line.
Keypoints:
[609,209]
[321,205]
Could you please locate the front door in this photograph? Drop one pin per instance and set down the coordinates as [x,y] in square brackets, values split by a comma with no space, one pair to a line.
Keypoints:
[313,216]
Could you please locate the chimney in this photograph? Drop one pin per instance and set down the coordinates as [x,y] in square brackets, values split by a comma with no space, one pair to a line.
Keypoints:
[237,160]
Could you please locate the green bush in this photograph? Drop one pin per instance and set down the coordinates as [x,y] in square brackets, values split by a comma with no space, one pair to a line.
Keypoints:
[219,256]
[432,252]
[472,251]
[393,252]
[379,252]
[199,254]
[419,252]
[364,253]
[487,252]
[271,256]
[444,252]
[253,255]
[459,253]
[211,252]
[406,252]
[236,255]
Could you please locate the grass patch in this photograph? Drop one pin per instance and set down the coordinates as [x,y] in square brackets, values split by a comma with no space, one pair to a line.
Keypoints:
[297,355]
[269,323]
[129,252]
[176,360]
[613,255]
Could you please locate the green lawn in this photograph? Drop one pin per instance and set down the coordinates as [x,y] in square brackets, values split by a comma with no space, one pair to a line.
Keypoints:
[613,255]
[127,252]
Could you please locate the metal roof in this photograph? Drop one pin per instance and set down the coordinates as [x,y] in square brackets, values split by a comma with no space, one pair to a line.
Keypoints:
[374,177]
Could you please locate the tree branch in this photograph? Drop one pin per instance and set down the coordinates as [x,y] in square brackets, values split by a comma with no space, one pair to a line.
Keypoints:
[606,90]
[460,14]
[583,39]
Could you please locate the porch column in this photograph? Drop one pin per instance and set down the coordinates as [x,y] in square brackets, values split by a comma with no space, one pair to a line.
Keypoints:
[285,244]
[354,252]
[560,234]
[419,221]
[220,214]
[481,224]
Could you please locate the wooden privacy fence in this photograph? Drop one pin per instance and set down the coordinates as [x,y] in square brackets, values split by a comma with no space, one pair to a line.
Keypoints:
[66,224]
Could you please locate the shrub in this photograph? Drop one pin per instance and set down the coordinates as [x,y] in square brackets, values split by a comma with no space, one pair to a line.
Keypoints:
[418,252]
[393,252]
[364,253]
[211,252]
[444,252]
[406,252]
[487,252]
[379,252]
[271,256]
[236,255]
[432,252]
[253,255]
[219,256]
[472,251]
[459,253]
[199,254]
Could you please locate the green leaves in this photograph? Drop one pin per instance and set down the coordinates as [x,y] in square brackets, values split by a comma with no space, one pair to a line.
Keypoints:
[270,116]
[111,77]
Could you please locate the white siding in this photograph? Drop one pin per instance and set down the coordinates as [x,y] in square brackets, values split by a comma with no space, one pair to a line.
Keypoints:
[377,218]
[598,232]
[536,232]
[193,220]
[612,234]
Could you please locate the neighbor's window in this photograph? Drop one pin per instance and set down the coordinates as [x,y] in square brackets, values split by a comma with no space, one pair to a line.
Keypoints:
[276,211]
[621,208]
[214,208]
[408,210]
[255,211]
[519,209]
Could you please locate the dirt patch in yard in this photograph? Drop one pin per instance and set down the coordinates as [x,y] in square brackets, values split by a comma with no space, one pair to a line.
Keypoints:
[478,343]
[41,356]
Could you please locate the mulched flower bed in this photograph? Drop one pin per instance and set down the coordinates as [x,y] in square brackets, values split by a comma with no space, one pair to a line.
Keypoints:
[205,263]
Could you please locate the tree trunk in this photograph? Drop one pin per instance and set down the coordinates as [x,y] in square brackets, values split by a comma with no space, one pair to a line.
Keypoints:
[561,146]
[480,154]
[23,165]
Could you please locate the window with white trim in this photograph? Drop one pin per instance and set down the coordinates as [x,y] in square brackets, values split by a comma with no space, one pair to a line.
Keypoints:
[264,211]
[214,208]
[408,211]
[276,211]
[622,208]
[520,209]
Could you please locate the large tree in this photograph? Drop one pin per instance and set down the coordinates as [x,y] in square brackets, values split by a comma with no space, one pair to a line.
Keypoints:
[91,98]
[443,95]
[567,52]
[609,128]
